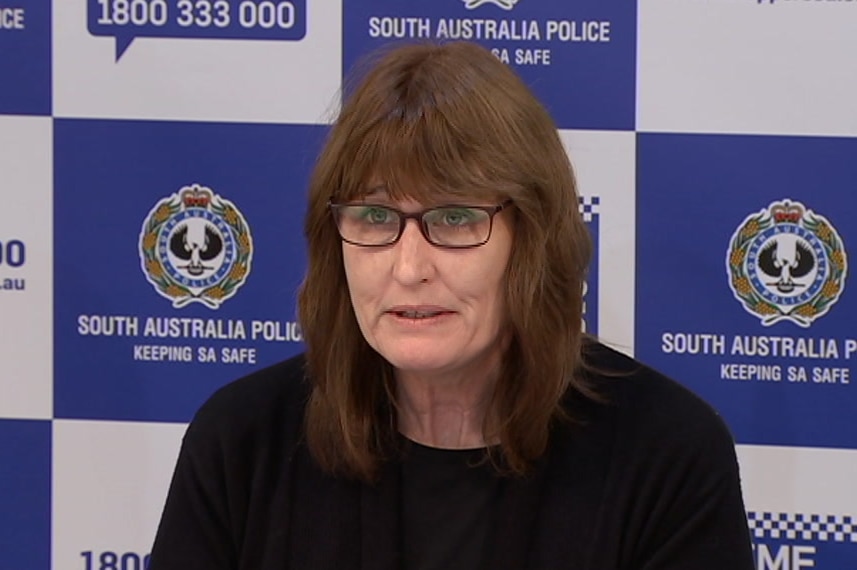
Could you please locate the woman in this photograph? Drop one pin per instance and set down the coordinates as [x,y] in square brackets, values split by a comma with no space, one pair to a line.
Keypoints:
[448,412]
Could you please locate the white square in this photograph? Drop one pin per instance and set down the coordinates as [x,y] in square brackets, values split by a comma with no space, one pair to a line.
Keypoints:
[271,81]
[26,268]
[604,164]
[809,481]
[110,481]
[742,66]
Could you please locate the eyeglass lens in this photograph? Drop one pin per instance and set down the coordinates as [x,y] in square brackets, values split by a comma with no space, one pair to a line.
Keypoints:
[452,226]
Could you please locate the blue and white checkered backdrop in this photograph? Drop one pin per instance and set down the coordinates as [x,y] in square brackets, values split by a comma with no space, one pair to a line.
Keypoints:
[714,143]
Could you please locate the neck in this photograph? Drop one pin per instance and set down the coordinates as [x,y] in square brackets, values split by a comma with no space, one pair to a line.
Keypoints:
[445,411]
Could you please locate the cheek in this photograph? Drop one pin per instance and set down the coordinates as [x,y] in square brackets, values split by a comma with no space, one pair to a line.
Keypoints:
[485,286]
[494,277]
[352,273]
[363,277]
[498,300]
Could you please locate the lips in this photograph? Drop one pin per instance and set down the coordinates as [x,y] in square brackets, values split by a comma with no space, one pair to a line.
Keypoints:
[418,312]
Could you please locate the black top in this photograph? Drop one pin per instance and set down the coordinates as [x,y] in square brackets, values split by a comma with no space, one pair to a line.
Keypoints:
[648,481]
[448,503]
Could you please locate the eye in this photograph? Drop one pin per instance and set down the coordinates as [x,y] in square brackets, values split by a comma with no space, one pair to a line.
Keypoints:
[376,215]
[455,216]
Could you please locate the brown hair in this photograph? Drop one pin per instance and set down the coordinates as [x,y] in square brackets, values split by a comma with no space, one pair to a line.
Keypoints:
[445,120]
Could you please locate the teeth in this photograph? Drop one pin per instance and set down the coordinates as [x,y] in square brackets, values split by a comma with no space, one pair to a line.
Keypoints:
[416,314]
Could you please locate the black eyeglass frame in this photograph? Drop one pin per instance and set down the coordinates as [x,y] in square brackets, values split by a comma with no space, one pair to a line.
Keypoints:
[419,217]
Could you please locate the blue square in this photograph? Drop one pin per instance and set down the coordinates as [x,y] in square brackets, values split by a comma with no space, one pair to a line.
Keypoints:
[25,64]
[25,494]
[579,56]
[133,323]
[742,285]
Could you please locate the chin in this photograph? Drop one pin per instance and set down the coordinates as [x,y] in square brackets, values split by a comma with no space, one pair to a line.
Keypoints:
[416,359]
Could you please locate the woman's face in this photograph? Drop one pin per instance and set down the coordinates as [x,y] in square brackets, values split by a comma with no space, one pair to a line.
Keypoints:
[430,310]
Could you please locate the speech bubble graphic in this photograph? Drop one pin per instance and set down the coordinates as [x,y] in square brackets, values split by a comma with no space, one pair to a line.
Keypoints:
[126,20]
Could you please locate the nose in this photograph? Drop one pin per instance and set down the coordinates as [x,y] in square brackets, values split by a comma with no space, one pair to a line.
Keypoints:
[413,256]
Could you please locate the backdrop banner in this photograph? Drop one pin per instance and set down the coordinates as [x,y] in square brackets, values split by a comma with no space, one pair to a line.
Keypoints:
[154,163]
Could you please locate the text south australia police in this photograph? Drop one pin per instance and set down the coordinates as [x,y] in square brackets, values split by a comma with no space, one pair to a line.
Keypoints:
[769,347]
[190,328]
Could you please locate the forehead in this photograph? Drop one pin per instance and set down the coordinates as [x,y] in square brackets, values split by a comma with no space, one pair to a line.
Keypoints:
[425,162]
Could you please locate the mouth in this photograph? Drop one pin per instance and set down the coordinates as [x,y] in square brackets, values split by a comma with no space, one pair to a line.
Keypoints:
[420,314]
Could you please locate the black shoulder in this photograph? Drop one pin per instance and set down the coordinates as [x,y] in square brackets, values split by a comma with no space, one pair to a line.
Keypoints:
[270,398]
[647,402]
[671,477]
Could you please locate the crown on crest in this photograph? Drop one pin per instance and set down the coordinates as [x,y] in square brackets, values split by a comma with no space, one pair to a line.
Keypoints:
[786,212]
[195,197]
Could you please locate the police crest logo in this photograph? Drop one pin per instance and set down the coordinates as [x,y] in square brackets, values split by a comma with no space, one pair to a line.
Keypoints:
[505,4]
[196,247]
[786,263]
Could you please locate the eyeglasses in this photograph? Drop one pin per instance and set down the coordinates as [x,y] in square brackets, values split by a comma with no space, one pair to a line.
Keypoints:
[453,226]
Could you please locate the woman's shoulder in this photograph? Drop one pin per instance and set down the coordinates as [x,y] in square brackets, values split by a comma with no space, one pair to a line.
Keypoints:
[661,463]
[251,406]
[647,403]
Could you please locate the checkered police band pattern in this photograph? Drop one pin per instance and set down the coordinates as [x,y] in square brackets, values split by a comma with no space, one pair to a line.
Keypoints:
[588,207]
[153,197]
[800,526]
